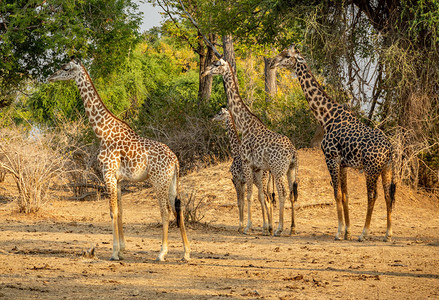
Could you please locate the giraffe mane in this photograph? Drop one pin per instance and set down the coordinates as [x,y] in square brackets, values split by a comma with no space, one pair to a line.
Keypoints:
[99,98]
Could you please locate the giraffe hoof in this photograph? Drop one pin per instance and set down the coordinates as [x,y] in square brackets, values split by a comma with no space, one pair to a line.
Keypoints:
[293,231]
[277,233]
[160,258]
[116,258]
[361,239]
[185,259]
[347,237]
[337,238]
[387,239]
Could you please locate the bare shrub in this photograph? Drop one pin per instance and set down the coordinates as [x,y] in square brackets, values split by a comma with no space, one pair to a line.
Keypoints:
[2,170]
[197,143]
[34,165]
[194,209]
[408,148]
[84,172]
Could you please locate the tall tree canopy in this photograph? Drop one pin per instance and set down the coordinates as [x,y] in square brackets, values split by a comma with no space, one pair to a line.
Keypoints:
[36,35]
[380,56]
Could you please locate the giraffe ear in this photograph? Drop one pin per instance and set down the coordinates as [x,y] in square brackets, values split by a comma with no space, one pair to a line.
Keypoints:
[74,59]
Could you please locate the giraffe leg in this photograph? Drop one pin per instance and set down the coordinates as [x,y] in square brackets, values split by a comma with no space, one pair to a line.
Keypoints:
[262,199]
[119,219]
[164,210]
[371,182]
[187,250]
[334,171]
[112,186]
[345,201]
[240,191]
[280,185]
[177,208]
[268,200]
[249,183]
[389,195]
[292,184]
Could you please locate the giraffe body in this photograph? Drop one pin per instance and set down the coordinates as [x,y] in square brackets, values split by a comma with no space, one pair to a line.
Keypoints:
[261,150]
[124,155]
[347,142]
[237,172]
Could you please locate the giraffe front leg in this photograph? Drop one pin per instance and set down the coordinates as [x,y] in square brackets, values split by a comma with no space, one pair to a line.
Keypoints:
[249,183]
[263,200]
[345,201]
[240,191]
[334,171]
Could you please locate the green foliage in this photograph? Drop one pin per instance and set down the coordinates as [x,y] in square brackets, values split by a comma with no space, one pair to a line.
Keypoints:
[53,101]
[38,35]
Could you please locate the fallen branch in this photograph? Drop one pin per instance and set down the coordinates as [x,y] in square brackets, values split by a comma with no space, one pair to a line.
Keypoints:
[312,205]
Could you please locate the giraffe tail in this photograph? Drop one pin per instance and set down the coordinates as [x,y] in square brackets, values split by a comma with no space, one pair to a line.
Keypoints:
[392,188]
[295,191]
[173,196]
[177,204]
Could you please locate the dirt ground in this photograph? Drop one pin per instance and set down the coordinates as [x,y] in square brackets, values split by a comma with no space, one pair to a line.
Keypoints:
[40,255]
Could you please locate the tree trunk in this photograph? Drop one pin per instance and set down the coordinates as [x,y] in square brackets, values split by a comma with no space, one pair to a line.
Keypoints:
[206,59]
[229,55]
[229,52]
[270,80]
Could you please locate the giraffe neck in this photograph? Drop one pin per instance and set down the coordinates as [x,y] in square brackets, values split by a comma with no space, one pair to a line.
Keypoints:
[233,136]
[243,118]
[323,107]
[100,118]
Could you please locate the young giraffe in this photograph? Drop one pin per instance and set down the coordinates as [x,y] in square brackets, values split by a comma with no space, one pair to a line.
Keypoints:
[261,149]
[238,174]
[347,143]
[126,156]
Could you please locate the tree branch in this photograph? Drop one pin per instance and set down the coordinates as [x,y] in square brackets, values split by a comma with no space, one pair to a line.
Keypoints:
[211,46]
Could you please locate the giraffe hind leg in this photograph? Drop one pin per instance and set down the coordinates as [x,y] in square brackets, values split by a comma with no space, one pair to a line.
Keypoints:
[177,209]
[280,185]
[119,218]
[371,182]
[292,184]
[389,195]
[112,186]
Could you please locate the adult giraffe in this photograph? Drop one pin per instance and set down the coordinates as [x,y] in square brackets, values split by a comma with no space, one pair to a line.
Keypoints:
[261,149]
[126,156]
[238,177]
[347,142]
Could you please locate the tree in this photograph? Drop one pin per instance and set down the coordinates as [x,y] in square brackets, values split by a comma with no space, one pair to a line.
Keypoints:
[376,55]
[183,29]
[37,35]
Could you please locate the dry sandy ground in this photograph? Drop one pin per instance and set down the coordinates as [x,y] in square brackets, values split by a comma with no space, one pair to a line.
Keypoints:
[40,255]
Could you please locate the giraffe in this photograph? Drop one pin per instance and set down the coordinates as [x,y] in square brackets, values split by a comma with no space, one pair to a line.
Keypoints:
[238,175]
[261,149]
[347,142]
[126,156]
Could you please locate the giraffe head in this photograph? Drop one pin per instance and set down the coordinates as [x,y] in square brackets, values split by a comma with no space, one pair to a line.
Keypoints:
[287,58]
[222,115]
[218,67]
[68,71]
